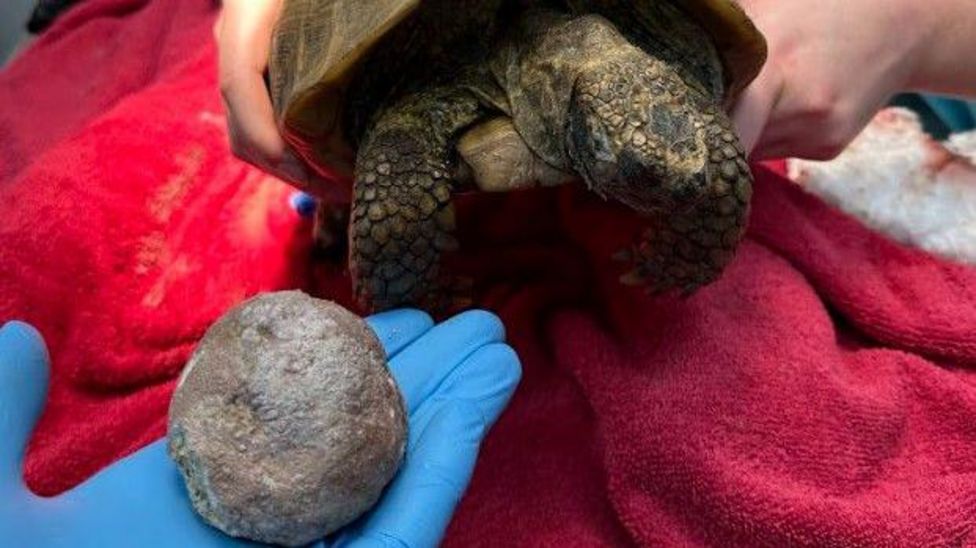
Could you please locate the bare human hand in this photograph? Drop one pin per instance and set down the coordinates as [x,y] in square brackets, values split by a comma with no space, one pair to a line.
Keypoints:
[834,63]
[243,33]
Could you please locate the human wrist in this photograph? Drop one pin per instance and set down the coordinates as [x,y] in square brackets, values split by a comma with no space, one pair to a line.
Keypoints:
[943,60]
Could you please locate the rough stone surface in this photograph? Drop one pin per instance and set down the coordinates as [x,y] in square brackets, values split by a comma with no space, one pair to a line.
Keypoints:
[286,423]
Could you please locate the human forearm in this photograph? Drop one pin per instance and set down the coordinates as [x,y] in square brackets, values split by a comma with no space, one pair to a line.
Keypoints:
[946,60]
[833,63]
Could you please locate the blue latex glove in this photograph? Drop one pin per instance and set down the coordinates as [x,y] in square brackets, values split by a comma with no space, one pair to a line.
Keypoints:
[456,378]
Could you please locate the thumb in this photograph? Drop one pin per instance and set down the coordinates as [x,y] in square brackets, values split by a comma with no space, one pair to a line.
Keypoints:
[752,110]
[24,365]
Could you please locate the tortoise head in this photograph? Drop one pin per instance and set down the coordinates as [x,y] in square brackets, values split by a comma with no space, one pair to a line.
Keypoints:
[635,135]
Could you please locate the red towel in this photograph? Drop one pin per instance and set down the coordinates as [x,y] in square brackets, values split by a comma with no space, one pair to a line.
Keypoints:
[820,393]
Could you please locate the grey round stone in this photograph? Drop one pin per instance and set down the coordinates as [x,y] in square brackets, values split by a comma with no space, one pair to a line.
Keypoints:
[286,424]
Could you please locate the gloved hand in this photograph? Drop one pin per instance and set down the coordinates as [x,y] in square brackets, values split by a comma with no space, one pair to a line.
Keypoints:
[456,378]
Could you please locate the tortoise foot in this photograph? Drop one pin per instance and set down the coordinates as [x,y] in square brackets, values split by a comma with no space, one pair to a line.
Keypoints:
[690,246]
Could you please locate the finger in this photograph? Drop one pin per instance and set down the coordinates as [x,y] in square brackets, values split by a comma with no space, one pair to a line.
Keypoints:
[419,504]
[23,387]
[820,134]
[147,467]
[753,109]
[121,487]
[398,328]
[487,379]
[245,39]
[254,136]
[217,25]
[445,434]
[247,27]
[420,367]
[143,492]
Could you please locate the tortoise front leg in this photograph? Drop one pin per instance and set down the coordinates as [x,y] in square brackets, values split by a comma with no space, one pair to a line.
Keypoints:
[402,215]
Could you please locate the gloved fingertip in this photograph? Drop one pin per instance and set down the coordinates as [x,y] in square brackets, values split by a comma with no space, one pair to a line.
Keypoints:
[23,336]
[507,363]
[396,329]
[496,368]
[22,340]
[24,373]
[486,379]
[488,325]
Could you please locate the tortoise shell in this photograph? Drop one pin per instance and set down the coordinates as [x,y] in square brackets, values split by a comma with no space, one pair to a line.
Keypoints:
[312,64]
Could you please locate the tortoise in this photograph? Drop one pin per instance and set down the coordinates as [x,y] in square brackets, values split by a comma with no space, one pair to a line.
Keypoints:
[412,99]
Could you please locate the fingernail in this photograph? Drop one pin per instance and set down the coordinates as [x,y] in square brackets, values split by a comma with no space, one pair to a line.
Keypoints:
[304,204]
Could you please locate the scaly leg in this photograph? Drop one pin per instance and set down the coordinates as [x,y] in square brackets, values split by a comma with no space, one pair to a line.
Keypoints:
[402,216]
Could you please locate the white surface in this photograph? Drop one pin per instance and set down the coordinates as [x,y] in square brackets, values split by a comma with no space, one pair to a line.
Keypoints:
[899,181]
